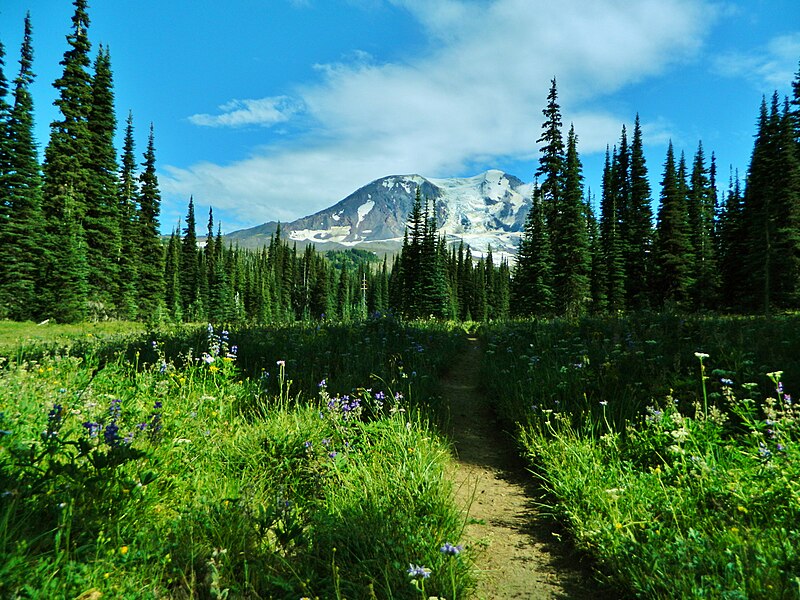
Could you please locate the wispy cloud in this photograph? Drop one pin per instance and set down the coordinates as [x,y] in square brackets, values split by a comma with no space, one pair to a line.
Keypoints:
[474,98]
[771,67]
[263,111]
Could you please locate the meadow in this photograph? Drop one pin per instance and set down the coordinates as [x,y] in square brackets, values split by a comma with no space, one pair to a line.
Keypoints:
[668,446]
[308,461]
[282,462]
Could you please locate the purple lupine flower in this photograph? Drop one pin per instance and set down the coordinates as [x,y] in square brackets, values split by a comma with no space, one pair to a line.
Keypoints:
[115,410]
[763,450]
[418,571]
[111,434]
[92,428]
[450,549]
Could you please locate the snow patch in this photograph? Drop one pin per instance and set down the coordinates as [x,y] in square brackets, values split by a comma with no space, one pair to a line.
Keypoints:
[337,233]
[364,210]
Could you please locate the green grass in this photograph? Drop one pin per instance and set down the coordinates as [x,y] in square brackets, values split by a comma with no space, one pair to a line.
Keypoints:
[667,449]
[164,473]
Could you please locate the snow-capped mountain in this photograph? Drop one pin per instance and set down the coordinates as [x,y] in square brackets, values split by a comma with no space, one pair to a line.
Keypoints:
[489,208]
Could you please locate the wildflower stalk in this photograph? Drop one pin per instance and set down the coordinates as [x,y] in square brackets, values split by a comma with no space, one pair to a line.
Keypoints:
[701,356]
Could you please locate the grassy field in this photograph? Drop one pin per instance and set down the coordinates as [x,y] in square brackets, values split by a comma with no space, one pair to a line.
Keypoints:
[669,446]
[274,463]
[307,462]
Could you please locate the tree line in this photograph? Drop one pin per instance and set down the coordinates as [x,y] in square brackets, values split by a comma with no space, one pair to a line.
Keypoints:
[739,251]
[80,233]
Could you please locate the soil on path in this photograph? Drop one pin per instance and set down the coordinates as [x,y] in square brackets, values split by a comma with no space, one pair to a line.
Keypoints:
[518,555]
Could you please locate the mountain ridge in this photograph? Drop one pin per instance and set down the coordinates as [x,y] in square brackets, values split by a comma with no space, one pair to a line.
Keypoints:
[487,208]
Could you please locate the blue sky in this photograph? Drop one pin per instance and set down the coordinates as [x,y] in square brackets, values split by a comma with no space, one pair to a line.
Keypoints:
[274,109]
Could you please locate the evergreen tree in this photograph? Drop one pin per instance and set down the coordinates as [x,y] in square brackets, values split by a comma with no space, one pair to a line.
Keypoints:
[21,232]
[787,210]
[638,227]
[731,247]
[129,252]
[759,214]
[66,178]
[172,277]
[611,241]
[5,154]
[101,222]
[552,160]
[573,264]
[672,251]
[700,216]
[597,278]
[190,267]
[532,285]
[151,265]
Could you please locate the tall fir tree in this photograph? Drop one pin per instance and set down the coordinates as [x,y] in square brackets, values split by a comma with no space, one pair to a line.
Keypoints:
[151,264]
[639,227]
[787,211]
[701,217]
[172,277]
[532,286]
[611,245]
[101,221]
[597,277]
[66,179]
[573,263]
[128,257]
[190,266]
[5,154]
[21,233]
[731,247]
[758,213]
[552,162]
[673,251]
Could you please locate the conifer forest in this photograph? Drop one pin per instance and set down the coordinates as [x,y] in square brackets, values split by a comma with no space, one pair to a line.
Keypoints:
[184,418]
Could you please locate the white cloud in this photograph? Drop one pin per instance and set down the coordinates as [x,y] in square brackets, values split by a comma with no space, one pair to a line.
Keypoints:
[264,111]
[474,97]
[771,67]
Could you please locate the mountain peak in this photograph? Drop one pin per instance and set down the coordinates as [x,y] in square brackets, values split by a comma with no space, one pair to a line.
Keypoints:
[487,208]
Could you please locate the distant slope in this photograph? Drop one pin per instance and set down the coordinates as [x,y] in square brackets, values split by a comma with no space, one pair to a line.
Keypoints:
[489,208]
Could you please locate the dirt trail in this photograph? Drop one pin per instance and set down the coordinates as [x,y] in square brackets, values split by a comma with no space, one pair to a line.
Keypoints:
[518,556]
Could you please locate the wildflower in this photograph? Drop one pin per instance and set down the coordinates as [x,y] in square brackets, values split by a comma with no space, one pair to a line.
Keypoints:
[763,450]
[617,526]
[111,434]
[323,384]
[450,549]
[333,455]
[603,402]
[726,381]
[701,355]
[418,571]
[123,550]
[92,428]
[55,419]
[380,396]
[115,410]
[207,358]
[281,363]
[308,444]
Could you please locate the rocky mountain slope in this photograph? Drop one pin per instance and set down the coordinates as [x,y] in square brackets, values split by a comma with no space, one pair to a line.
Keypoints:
[489,208]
